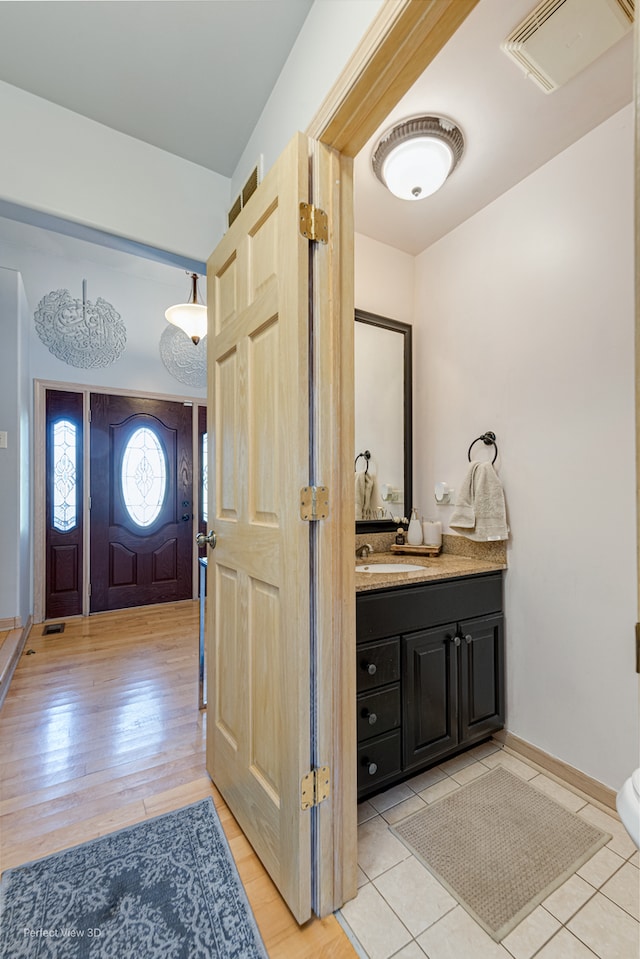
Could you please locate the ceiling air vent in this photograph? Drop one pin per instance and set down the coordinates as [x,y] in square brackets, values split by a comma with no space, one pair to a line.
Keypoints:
[561,37]
[250,187]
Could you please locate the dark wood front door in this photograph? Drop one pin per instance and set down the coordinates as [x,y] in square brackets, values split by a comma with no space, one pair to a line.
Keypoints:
[141,502]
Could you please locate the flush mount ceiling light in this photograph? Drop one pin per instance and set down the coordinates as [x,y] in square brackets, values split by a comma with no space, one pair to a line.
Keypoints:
[414,158]
[190,317]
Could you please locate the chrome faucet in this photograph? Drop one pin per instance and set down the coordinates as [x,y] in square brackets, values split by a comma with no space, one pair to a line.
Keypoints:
[363,551]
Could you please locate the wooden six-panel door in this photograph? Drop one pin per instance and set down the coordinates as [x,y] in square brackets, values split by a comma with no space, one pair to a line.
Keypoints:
[259,627]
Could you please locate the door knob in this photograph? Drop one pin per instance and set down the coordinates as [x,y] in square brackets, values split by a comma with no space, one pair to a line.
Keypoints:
[208,539]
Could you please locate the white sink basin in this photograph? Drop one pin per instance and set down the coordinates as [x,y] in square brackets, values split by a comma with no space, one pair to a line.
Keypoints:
[389,568]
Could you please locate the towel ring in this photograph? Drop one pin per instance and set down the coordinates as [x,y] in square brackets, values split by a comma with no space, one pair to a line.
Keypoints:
[489,439]
[366,456]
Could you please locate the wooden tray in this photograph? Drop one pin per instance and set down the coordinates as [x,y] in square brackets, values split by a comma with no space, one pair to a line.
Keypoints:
[417,550]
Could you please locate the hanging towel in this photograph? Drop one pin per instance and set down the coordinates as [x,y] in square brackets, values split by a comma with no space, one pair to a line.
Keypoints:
[364,488]
[479,513]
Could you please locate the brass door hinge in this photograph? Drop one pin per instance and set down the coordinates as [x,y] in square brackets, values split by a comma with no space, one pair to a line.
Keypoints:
[314,502]
[314,223]
[315,787]
[638,647]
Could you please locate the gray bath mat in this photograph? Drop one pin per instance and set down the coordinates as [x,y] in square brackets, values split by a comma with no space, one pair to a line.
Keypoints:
[500,846]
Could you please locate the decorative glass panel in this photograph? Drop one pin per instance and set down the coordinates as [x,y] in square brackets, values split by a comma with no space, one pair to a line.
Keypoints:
[144,476]
[204,492]
[65,483]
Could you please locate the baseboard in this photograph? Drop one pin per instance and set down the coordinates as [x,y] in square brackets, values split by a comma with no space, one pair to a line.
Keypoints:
[590,788]
[11,622]
[10,653]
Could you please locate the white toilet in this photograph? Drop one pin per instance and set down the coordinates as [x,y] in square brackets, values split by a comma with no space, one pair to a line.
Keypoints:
[628,803]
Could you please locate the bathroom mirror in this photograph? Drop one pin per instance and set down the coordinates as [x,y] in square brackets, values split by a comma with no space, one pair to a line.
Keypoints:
[383,421]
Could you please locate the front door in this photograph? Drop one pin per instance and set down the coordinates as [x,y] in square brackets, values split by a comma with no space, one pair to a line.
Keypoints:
[141,502]
[259,629]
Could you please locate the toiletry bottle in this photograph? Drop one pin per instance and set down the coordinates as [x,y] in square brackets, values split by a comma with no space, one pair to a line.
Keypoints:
[400,536]
[414,533]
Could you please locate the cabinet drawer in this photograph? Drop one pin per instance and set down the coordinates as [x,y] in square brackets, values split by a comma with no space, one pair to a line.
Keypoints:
[378,712]
[410,608]
[378,664]
[378,760]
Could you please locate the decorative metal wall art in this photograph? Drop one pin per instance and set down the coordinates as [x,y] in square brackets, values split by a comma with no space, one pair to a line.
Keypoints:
[186,361]
[79,332]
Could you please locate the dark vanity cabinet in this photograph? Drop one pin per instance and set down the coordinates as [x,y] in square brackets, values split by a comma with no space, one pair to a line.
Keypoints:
[430,667]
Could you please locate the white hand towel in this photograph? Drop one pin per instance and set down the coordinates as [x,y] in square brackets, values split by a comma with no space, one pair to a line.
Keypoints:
[480,512]
[364,488]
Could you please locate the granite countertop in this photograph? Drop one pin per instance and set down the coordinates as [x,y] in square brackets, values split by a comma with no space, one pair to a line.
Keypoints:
[444,566]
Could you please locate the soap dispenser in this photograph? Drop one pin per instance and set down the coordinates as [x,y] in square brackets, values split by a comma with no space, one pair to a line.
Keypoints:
[414,533]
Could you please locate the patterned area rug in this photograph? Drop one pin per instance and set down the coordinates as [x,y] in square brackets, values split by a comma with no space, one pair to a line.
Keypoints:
[500,846]
[166,888]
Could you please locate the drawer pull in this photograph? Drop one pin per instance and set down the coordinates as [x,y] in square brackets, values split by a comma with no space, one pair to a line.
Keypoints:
[372,768]
[371,717]
[371,668]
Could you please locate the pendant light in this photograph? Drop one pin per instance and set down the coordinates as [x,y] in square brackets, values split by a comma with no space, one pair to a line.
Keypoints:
[414,158]
[190,317]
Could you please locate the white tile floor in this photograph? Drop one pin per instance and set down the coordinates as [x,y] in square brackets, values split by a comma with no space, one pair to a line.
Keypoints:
[403,912]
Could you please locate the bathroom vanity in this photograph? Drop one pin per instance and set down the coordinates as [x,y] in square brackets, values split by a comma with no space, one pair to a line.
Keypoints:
[430,666]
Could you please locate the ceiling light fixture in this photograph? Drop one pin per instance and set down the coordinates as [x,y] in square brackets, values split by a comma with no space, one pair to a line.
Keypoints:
[190,317]
[414,158]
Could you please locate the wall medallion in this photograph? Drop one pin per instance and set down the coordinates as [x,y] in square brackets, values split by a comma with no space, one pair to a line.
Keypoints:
[186,361]
[79,332]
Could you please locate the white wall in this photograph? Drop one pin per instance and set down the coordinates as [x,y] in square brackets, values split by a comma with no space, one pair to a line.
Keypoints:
[332,31]
[139,289]
[66,165]
[524,325]
[383,279]
[14,460]
[63,164]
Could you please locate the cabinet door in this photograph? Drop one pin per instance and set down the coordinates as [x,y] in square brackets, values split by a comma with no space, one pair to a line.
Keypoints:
[429,694]
[481,676]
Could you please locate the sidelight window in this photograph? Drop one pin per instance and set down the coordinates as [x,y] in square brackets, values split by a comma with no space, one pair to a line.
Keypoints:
[204,490]
[65,480]
[144,476]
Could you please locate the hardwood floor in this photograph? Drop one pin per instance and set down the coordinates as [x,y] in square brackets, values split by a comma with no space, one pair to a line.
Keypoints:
[101,729]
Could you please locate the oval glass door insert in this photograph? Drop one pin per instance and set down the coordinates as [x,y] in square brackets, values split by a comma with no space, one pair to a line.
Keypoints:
[144,476]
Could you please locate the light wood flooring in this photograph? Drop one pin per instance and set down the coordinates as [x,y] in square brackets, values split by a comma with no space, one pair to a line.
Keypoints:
[101,729]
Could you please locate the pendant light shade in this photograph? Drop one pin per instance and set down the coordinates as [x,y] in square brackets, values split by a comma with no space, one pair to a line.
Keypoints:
[190,317]
[414,159]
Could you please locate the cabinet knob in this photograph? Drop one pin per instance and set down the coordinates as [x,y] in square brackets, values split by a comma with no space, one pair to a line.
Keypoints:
[373,719]
[372,669]
[469,638]
[456,640]
[372,768]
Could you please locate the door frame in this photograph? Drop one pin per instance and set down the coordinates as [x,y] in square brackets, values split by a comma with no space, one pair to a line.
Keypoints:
[40,388]
[401,41]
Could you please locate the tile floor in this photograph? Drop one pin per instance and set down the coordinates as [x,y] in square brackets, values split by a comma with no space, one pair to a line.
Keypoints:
[401,911]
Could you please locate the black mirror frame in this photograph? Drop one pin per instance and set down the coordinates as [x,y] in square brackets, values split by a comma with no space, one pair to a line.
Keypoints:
[387,525]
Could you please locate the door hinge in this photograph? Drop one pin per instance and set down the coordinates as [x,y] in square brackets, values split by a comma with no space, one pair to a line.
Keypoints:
[638,647]
[314,223]
[315,787]
[314,502]
[89,590]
